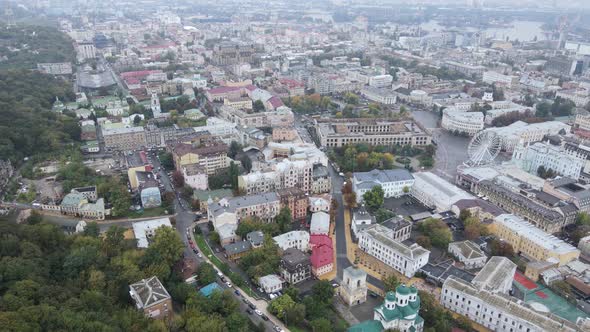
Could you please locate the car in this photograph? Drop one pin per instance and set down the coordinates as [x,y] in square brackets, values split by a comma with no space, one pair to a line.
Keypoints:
[264,317]
[341,174]
[222,278]
[228,284]
[249,311]
[245,300]
[190,241]
[220,274]
[277,328]
[196,252]
[237,292]
[252,306]
[258,312]
[272,296]
[192,245]
[199,255]
[335,285]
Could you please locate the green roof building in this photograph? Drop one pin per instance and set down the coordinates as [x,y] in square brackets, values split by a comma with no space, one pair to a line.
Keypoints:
[398,312]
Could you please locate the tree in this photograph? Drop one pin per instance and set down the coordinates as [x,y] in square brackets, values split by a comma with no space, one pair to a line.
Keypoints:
[501,248]
[136,120]
[284,219]
[177,179]
[383,214]
[293,292]
[583,218]
[233,174]
[166,160]
[280,305]
[464,214]
[323,291]
[439,233]
[543,110]
[206,274]
[166,246]
[474,228]
[234,149]
[424,241]
[374,198]
[390,283]
[92,229]
[321,325]
[258,106]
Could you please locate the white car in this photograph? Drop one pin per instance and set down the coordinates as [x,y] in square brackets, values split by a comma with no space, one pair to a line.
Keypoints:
[258,312]
[228,284]
[220,274]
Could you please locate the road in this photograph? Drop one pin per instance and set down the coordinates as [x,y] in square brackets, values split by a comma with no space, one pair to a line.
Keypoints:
[185,219]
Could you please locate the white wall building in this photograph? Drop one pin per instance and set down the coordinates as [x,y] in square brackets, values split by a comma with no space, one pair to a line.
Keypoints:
[145,230]
[580,97]
[320,223]
[523,132]
[529,157]
[463,122]
[492,77]
[468,253]
[393,182]
[271,283]
[381,81]
[405,259]
[294,239]
[435,192]
[383,96]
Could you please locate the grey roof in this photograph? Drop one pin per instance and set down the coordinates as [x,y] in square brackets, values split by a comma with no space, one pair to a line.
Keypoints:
[355,272]
[562,181]
[484,205]
[396,223]
[468,249]
[148,292]
[380,234]
[367,180]
[496,271]
[440,272]
[95,81]
[361,214]
[237,248]
[320,171]
[293,257]
[256,238]
[235,203]
[547,198]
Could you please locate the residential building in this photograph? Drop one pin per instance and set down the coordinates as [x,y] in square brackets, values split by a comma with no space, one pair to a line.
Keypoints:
[195,176]
[531,157]
[235,251]
[284,134]
[549,219]
[145,230]
[486,302]
[582,121]
[211,157]
[340,132]
[569,190]
[78,203]
[293,239]
[55,68]
[580,97]
[227,233]
[85,51]
[468,253]
[231,210]
[468,123]
[295,266]
[321,182]
[284,174]
[152,298]
[322,255]
[466,69]
[435,192]
[394,182]
[353,289]
[256,239]
[124,139]
[399,312]
[361,219]
[320,203]
[407,260]
[296,200]
[271,283]
[532,242]
[320,223]
[492,77]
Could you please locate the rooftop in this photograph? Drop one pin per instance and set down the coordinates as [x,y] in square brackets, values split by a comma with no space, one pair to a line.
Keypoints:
[237,248]
[383,235]
[148,292]
[144,229]
[495,274]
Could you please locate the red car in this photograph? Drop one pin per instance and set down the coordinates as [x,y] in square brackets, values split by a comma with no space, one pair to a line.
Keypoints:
[190,242]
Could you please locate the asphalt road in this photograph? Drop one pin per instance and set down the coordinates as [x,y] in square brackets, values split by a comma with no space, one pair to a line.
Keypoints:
[185,219]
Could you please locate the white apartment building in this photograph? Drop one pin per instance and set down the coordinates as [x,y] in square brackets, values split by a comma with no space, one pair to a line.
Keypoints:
[195,177]
[492,77]
[231,210]
[582,121]
[529,157]
[463,122]
[378,95]
[294,239]
[85,51]
[468,253]
[285,174]
[435,192]
[523,132]
[405,259]
[393,182]
[486,302]
[381,81]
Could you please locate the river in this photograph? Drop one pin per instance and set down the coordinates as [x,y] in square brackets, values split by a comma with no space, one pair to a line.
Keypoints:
[521,30]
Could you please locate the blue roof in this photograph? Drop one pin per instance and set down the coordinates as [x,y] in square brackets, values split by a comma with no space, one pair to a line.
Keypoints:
[209,289]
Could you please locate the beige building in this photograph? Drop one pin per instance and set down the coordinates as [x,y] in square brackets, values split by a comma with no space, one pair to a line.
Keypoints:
[354,286]
[210,157]
[238,103]
[124,139]
[284,134]
[531,241]
[340,132]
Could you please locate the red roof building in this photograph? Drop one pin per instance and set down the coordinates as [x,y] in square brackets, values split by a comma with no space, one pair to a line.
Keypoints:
[322,255]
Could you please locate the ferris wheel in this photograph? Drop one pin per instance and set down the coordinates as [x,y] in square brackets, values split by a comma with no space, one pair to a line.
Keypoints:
[483,148]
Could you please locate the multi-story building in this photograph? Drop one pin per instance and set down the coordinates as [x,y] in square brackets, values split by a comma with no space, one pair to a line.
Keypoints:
[394,182]
[285,174]
[435,192]
[340,132]
[569,190]
[56,68]
[295,266]
[296,200]
[531,241]
[486,302]
[580,97]
[522,133]
[354,286]
[582,122]
[466,69]
[361,219]
[492,77]
[280,117]
[124,139]
[469,123]
[152,298]
[380,81]
[231,210]
[85,51]
[195,177]
[552,157]
[284,134]
[321,182]
[551,220]
[211,157]
[83,202]
[232,53]
[294,239]
[407,260]
[322,255]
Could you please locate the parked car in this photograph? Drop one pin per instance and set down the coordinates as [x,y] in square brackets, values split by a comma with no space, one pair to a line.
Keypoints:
[237,292]
[258,312]
[249,311]
[264,317]
[228,284]
[252,306]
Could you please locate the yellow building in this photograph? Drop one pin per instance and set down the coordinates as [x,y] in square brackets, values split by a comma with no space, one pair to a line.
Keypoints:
[131,174]
[531,241]
[211,157]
